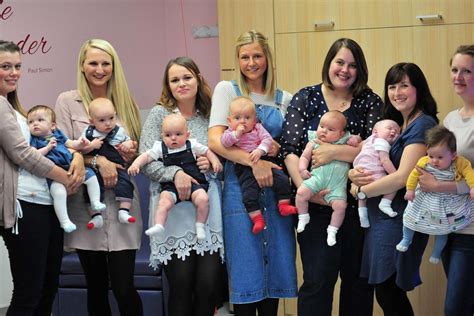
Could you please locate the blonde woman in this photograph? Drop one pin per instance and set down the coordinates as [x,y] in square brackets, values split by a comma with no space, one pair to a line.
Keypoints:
[108,251]
[266,271]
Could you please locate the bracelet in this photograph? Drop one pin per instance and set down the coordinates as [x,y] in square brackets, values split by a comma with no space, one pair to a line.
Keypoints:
[94,163]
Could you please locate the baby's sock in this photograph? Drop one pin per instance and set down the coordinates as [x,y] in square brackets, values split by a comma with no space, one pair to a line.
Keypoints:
[68,226]
[125,217]
[303,220]
[332,231]
[286,208]
[258,223]
[157,231]
[97,221]
[385,206]
[364,217]
[200,231]
[434,260]
[403,245]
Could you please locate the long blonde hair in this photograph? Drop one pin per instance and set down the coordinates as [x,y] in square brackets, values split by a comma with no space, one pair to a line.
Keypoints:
[251,37]
[117,88]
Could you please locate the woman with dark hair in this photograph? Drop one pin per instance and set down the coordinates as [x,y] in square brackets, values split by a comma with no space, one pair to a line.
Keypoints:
[191,265]
[28,224]
[409,102]
[344,88]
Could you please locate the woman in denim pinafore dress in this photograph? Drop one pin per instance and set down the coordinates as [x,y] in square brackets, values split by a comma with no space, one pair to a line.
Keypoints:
[261,267]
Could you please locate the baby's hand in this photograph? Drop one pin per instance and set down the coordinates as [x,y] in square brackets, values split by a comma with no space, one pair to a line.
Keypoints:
[82,143]
[96,143]
[133,170]
[305,174]
[472,193]
[239,131]
[255,155]
[126,146]
[52,143]
[354,140]
[410,195]
[217,166]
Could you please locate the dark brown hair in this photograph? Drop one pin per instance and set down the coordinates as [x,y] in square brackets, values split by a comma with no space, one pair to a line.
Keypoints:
[360,84]
[440,135]
[203,96]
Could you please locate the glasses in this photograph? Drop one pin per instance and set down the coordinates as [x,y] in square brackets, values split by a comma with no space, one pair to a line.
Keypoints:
[9,67]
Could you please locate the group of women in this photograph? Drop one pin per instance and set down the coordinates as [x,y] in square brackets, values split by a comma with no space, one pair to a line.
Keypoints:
[261,267]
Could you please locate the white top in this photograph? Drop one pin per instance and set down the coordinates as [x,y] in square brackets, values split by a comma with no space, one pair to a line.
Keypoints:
[463,129]
[224,93]
[119,137]
[156,152]
[31,188]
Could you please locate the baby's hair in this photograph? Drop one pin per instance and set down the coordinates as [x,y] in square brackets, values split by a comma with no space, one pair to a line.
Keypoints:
[440,135]
[95,103]
[340,115]
[242,98]
[49,111]
[174,117]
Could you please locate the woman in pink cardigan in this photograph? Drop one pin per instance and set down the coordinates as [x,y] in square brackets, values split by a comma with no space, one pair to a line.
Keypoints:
[28,224]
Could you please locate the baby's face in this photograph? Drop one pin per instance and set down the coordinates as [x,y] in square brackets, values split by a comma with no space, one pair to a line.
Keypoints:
[388,130]
[330,128]
[174,133]
[440,157]
[242,115]
[104,119]
[40,123]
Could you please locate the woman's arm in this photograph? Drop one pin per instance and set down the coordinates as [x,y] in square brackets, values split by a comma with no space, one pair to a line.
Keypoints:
[397,180]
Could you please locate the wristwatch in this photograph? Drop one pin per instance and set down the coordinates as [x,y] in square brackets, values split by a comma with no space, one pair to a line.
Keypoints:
[360,194]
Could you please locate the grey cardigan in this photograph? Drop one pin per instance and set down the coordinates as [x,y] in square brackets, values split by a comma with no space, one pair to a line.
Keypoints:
[15,153]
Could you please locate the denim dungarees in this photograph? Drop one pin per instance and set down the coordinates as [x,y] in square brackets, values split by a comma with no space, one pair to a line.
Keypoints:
[260,266]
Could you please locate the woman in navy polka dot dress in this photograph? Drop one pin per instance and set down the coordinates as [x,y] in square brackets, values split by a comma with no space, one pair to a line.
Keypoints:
[344,88]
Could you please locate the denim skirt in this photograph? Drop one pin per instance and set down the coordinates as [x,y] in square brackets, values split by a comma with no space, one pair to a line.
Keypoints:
[263,265]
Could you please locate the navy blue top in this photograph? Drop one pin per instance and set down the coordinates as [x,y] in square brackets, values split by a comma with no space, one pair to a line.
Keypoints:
[304,113]
[307,107]
[60,155]
[380,259]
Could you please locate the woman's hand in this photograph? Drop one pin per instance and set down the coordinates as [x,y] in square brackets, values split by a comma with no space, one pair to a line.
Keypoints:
[76,172]
[183,182]
[318,197]
[108,171]
[359,176]
[128,151]
[274,149]
[322,155]
[427,181]
[203,164]
[262,171]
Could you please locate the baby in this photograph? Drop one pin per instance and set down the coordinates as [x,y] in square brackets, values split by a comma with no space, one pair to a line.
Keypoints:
[332,176]
[177,149]
[245,133]
[53,144]
[374,157]
[437,213]
[105,135]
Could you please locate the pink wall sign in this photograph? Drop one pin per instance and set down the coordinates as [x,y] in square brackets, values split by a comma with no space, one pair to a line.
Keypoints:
[145,33]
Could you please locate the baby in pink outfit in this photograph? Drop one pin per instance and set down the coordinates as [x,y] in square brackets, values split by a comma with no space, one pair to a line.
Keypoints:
[374,157]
